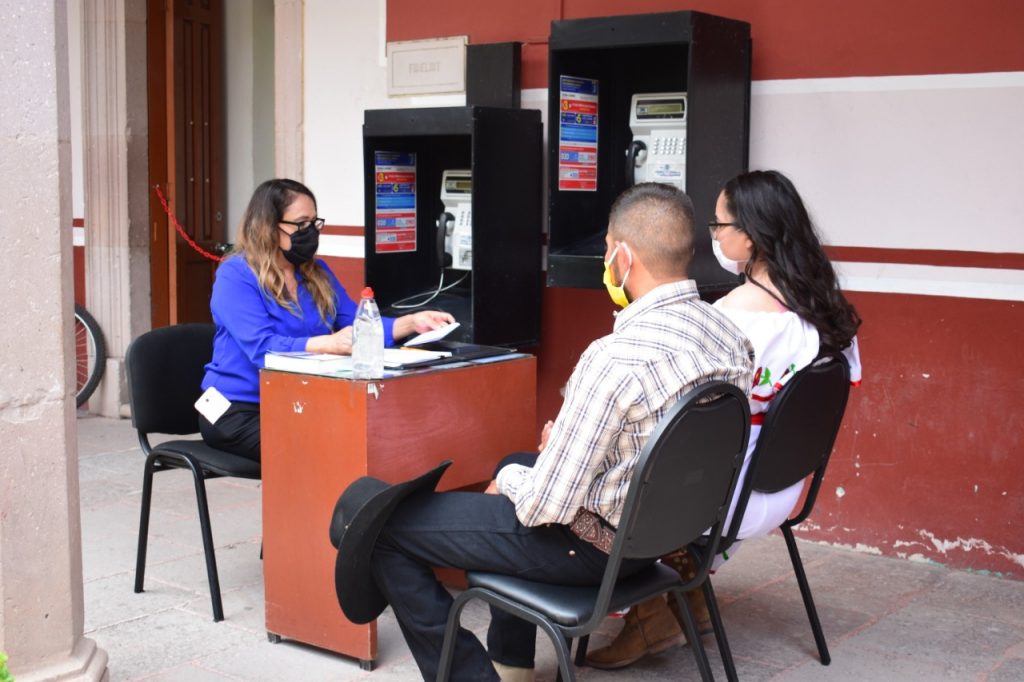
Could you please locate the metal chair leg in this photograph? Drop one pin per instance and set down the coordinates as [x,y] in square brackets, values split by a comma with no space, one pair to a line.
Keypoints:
[581,650]
[716,622]
[451,631]
[805,592]
[147,494]
[561,644]
[208,550]
[693,637]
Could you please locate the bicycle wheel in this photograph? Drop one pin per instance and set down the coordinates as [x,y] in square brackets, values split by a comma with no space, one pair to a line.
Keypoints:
[90,354]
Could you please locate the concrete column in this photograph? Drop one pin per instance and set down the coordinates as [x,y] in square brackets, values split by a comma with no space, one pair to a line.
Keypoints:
[115,145]
[41,606]
[288,89]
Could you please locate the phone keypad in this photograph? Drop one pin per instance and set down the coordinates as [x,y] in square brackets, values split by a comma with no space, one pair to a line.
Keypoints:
[668,145]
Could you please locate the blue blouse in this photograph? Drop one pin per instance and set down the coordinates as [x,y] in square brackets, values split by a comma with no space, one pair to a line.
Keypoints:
[250,323]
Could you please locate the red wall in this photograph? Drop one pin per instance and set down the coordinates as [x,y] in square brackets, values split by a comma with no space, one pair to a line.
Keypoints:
[792,38]
[928,464]
[932,439]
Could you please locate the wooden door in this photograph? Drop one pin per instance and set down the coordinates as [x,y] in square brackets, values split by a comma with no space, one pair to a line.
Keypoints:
[186,97]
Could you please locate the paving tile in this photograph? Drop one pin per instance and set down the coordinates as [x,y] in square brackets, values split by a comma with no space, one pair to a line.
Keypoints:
[264,661]
[110,538]
[238,565]
[193,672]
[971,593]
[100,492]
[163,641]
[924,636]
[113,600]
[1009,671]
[846,579]
[774,630]
[243,606]
[97,435]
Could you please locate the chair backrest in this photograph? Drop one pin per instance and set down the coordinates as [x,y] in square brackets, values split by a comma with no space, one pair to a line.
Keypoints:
[799,430]
[685,475]
[165,368]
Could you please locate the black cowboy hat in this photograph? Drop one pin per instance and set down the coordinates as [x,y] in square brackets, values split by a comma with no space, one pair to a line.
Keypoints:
[359,515]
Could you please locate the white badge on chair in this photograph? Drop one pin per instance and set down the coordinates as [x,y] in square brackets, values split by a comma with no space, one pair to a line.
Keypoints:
[212,404]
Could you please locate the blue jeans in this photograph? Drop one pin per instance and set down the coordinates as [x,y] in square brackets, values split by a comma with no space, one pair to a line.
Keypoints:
[473,531]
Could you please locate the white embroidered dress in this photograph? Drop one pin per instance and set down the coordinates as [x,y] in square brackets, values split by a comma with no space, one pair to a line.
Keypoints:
[783,343]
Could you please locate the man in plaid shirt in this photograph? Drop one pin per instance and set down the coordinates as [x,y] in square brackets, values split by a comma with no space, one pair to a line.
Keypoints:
[664,343]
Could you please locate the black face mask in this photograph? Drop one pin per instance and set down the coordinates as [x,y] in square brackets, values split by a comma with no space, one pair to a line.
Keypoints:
[304,245]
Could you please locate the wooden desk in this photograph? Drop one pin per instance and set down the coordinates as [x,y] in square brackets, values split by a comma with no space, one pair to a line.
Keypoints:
[321,433]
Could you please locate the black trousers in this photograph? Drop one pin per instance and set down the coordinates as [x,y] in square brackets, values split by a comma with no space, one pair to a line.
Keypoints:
[477,532]
[237,431]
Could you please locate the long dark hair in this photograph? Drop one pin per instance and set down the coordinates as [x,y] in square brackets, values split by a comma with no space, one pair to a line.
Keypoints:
[258,242]
[769,210]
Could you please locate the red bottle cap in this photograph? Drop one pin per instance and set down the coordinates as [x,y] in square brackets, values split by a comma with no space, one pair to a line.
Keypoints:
[367,292]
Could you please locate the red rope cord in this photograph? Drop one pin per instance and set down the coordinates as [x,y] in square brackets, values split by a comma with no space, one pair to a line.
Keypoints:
[181,230]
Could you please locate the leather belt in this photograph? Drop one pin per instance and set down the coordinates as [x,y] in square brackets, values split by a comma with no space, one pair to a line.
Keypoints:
[590,527]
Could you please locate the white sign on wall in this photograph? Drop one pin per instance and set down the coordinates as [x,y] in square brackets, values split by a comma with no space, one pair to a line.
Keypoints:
[417,67]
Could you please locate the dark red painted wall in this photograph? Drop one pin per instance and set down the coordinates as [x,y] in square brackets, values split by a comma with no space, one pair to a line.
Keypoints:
[792,38]
[932,440]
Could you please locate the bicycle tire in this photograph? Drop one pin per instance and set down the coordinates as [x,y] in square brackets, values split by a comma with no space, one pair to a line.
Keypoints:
[90,355]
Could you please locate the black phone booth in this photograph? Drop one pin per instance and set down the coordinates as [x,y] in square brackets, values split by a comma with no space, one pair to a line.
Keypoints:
[610,59]
[405,154]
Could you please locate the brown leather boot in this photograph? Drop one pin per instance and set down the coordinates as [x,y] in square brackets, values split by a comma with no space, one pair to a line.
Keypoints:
[699,609]
[683,563]
[649,629]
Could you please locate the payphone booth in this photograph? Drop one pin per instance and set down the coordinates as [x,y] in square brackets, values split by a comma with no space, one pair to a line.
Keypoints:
[453,217]
[648,97]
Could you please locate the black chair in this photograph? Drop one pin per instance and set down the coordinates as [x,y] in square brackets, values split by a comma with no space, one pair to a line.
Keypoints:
[682,485]
[796,439]
[165,369]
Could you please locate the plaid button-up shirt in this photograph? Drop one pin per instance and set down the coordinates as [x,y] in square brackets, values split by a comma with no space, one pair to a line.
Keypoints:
[662,345]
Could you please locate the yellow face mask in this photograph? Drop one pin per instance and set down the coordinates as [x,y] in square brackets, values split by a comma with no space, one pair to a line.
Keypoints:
[617,293]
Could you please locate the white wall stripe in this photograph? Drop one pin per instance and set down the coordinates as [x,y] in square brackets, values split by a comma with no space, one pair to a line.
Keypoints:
[888,278]
[341,246]
[942,81]
[78,236]
[929,280]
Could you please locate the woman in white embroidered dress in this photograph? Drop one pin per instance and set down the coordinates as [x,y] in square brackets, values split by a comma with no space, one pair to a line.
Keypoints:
[791,308]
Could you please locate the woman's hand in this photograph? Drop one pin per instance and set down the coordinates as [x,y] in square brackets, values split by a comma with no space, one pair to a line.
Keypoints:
[420,322]
[338,343]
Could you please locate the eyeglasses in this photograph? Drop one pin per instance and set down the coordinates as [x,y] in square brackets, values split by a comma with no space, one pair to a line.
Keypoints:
[315,223]
[714,227]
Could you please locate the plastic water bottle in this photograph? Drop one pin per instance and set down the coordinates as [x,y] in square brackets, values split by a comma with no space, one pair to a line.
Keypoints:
[367,339]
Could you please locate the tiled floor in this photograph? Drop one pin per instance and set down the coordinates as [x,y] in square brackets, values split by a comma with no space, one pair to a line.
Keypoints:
[885,619]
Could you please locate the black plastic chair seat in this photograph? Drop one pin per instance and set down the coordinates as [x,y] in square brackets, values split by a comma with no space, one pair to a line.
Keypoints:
[212,460]
[572,605]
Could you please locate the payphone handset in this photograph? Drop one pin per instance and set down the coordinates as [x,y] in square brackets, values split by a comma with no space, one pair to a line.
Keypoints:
[455,224]
[658,150]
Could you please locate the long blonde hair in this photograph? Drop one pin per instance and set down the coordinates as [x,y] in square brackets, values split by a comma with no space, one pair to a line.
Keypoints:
[259,242]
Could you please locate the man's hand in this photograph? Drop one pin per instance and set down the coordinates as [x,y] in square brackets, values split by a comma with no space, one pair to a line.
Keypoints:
[492,489]
[544,435]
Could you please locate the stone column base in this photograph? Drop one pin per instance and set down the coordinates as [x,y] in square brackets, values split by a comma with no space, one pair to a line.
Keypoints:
[87,663]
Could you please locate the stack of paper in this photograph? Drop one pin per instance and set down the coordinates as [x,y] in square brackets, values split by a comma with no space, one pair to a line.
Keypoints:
[307,363]
[324,363]
[408,357]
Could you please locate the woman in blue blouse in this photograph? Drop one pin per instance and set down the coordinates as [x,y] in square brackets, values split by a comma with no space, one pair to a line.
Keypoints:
[272,294]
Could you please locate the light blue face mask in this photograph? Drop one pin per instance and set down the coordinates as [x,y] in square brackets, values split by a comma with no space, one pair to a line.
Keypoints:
[733,266]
